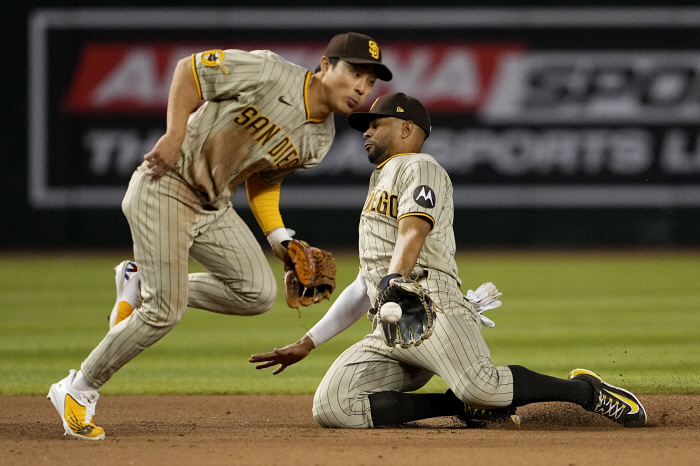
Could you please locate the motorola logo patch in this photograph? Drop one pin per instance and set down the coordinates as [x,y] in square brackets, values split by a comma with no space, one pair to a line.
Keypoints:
[424,196]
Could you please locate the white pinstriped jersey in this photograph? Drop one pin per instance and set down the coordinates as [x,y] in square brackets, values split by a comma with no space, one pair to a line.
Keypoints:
[407,184]
[255,119]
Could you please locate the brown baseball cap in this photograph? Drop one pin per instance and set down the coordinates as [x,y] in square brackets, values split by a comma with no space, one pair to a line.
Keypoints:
[397,105]
[358,49]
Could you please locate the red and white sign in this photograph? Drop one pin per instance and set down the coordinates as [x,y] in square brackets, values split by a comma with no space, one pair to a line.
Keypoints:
[129,78]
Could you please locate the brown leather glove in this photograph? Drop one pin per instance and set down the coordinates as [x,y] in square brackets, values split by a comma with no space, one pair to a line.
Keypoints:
[309,274]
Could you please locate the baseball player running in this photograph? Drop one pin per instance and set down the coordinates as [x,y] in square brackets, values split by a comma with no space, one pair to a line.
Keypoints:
[406,229]
[263,118]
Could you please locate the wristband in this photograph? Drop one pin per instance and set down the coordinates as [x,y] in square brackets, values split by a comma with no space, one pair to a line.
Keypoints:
[280,236]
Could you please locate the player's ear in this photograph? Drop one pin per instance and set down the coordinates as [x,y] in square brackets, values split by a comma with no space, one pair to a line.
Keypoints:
[325,65]
[407,128]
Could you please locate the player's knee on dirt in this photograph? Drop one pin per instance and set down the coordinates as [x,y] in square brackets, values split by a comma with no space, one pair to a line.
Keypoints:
[322,419]
[339,411]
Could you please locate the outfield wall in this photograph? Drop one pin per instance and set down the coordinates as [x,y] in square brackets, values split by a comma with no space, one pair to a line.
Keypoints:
[558,126]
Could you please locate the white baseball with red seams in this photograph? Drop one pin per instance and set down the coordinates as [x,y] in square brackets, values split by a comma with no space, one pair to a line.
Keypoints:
[390,313]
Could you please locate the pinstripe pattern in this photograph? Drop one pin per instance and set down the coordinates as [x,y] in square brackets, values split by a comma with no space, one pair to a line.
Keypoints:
[364,368]
[243,128]
[400,176]
[240,282]
[167,222]
[455,352]
[222,149]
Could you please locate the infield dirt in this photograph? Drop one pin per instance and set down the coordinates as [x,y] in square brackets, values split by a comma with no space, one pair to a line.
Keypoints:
[279,430]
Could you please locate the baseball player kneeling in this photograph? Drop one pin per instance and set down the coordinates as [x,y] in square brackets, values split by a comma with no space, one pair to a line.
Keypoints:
[407,250]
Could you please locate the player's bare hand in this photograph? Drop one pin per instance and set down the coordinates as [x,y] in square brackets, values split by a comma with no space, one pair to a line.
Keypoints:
[163,156]
[284,357]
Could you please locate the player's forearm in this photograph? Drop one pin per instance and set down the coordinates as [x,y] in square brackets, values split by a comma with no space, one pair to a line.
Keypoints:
[412,233]
[182,99]
[264,201]
[350,306]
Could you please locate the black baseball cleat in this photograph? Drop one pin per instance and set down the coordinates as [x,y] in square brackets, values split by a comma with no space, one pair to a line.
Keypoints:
[476,418]
[612,402]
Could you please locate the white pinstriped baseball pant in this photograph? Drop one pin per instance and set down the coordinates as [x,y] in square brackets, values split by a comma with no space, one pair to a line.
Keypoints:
[168,226]
[456,352]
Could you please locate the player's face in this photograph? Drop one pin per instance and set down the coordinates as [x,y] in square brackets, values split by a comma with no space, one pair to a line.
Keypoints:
[348,86]
[380,139]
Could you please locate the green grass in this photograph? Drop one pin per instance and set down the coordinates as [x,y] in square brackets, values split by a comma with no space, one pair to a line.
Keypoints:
[633,318]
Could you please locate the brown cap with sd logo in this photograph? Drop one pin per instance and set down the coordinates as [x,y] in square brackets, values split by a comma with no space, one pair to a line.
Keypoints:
[358,49]
[397,105]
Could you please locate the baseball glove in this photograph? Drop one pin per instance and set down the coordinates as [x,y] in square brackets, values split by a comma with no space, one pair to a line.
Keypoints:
[309,274]
[417,311]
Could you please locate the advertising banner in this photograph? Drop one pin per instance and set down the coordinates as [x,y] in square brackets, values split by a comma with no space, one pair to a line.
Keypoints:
[544,108]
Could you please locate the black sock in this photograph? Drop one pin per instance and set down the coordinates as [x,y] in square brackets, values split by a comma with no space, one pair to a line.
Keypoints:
[531,387]
[396,408]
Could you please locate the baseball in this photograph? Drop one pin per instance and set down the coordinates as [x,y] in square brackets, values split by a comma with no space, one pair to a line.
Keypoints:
[390,313]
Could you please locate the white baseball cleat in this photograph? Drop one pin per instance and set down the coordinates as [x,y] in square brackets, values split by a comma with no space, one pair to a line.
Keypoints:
[128,292]
[76,409]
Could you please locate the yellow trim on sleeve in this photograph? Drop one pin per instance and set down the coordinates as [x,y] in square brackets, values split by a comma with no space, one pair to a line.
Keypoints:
[420,214]
[196,78]
[264,200]
[395,155]
[307,80]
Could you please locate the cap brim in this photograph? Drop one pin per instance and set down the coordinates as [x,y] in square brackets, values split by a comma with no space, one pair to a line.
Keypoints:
[381,70]
[361,120]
